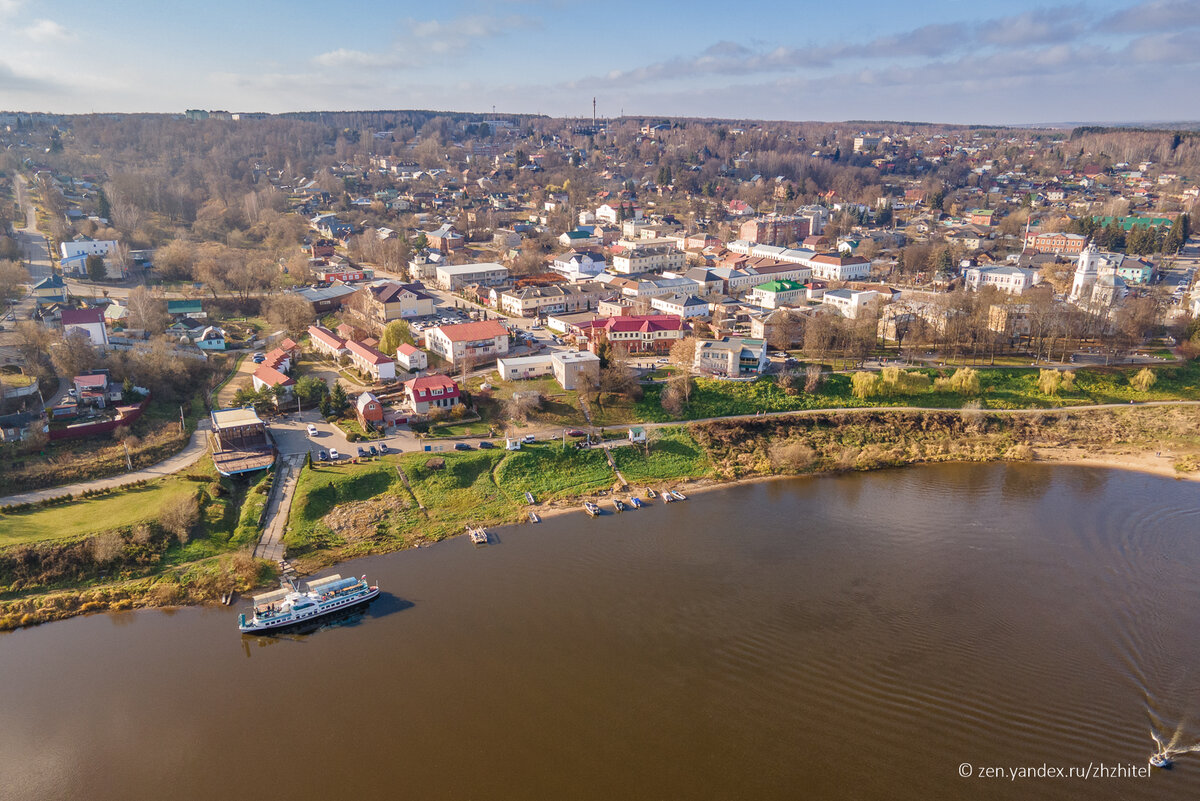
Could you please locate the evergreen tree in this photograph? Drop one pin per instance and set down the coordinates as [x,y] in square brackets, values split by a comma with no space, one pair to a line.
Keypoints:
[325,407]
[1175,237]
[95,267]
[337,399]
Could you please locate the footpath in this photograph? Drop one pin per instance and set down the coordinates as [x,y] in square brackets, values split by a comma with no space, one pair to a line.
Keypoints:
[196,448]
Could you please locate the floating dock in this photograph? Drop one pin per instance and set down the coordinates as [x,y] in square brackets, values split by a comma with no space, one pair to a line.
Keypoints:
[478,535]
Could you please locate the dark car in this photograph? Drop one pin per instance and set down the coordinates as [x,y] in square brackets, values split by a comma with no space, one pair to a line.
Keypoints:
[323,455]
[484,445]
[383,448]
[373,450]
[575,432]
[461,446]
[361,451]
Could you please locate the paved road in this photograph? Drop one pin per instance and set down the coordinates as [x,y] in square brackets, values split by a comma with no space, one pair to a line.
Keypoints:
[270,542]
[196,448]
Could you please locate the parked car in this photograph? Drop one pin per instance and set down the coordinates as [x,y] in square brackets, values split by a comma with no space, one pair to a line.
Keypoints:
[312,430]
[528,438]
[575,432]
[383,448]
[485,445]
[258,358]
[462,446]
[362,451]
[323,456]
[373,450]
[334,455]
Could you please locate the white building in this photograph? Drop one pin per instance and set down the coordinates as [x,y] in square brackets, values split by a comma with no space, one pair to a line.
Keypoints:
[731,356]
[480,342]
[411,358]
[1096,281]
[371,362]
[456,276]
[1013,280]
[632,256]
[89,322]
[579,265]
[88,247]
[517,368]
[850,302]
[681,305]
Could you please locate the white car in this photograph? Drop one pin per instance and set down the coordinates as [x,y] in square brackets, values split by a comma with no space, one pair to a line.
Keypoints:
[312,430]
[334,455]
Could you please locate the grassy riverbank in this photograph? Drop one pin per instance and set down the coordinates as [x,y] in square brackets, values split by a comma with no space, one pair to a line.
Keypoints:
[408,500]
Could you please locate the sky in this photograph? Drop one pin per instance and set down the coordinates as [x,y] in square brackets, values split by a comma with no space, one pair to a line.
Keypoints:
[954,61]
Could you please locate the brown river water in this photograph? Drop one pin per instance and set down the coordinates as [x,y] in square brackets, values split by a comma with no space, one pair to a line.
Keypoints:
[851,637]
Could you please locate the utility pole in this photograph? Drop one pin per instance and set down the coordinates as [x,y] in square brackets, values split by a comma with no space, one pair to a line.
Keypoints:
[182,427]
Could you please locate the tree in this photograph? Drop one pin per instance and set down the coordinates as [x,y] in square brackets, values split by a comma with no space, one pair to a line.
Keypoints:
[12,277]
[290,312]
[812,378]
[395,334]
[95,267]
[147,312]
[74,356]
[521,405]
[311,389]
[337,398]
[1049,381]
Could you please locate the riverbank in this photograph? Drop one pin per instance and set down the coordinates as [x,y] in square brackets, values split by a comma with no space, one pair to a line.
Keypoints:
[352,510]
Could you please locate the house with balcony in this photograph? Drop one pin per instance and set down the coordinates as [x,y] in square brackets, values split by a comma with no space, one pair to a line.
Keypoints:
[731,357]
[431,392]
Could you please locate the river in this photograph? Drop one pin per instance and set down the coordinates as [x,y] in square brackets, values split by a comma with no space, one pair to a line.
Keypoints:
[851,637]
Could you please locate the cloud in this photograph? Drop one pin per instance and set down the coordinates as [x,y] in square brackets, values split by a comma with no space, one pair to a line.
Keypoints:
[9,8]
[422,39]
[1042,26]
[47,31]
[1153,15]
[12,81]
[1165,48]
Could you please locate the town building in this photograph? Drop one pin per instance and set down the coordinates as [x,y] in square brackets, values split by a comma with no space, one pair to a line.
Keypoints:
[635,256]
[369,361]
[89,322]
[266,376]
[537,301]
[1013,280]
[445,239]
[454,277]
[478,342]
[579,265]
[431,392]
[680,305]
[773,229]
[775,294]
[395,301]
[517,368]
[1096,282]
[838,267]
[325,342]
[411,358]
[326,299]
[369,411]
[573,369]
[850,302]
[639,333]
[731,356]
[1052,242]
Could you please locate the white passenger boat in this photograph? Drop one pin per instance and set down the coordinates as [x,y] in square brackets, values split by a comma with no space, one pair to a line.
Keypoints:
[320,597]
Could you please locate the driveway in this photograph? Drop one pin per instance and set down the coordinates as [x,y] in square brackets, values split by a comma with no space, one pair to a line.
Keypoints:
[241,379]
[291,437]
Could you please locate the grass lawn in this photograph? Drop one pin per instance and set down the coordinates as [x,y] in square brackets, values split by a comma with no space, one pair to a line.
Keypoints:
[464,490]
[123,508]
[320,489]
[1004,388]
[671,454]
[552,471]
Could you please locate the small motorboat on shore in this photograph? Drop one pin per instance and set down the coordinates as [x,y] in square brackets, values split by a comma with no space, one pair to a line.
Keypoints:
[533,518]
[529,498]
[635,502]
[677,495]
[650,492]
[619,504]
[667,496]
[591,508]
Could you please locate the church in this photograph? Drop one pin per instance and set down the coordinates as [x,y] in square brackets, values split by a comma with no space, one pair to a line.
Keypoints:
[1096,283]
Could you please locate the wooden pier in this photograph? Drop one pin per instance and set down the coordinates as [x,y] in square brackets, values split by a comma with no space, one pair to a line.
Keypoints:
[478,535]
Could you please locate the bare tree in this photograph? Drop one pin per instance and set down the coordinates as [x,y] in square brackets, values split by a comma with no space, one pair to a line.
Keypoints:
[289,311]
[12,278]
[146,311]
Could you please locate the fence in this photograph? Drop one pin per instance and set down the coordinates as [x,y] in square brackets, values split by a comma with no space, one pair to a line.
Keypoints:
[128,417]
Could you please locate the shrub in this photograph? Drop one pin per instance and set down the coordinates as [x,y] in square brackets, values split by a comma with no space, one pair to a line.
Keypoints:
[181,518]
[215,490]
[1144,379]
[1049,381]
